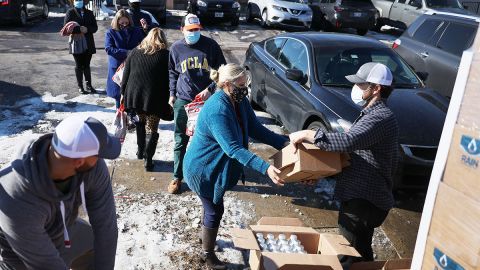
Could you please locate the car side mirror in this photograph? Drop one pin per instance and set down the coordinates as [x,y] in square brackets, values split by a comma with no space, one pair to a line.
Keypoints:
[296,75]
[422,75]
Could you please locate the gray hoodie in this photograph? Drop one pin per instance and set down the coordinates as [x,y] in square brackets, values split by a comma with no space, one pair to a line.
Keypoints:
[31,225]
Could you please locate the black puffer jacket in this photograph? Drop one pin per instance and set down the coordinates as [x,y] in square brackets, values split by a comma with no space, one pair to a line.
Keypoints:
[145,83]
[88,20]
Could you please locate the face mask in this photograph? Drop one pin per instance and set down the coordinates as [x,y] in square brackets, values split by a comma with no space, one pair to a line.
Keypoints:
[357,96]
[238,93]
[123,27]
[192,37]
[78,4]
[134,6]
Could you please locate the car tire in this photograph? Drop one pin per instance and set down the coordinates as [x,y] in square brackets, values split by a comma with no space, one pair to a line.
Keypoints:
[377,26]
[264,21]
[45,11]
[362,32]
[22,18]
[316,125]
[162,18]
[235,22]
[249,17]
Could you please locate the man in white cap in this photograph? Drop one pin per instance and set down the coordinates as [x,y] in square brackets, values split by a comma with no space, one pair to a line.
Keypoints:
[191,59]
[365,187]
[141,18]
[40,194]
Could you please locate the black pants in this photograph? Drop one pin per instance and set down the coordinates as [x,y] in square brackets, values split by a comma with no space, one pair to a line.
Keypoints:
[357,219]
[82,68]
[213,212]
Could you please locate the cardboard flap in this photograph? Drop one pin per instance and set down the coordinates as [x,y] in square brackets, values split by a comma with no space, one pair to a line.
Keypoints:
[285,157]
[287,261]
[281,221]
[282,229]
[309,146]
[335,244]
[243,238]
[399,264]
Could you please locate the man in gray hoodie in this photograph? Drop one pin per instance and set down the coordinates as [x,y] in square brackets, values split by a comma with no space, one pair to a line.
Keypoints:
[40,194]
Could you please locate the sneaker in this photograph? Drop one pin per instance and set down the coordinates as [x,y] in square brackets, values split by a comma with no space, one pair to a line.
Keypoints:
[174,186]
[82,91]
[91,89]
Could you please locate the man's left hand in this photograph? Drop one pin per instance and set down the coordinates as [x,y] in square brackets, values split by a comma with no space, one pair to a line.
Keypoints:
[204,95]
[302,136]
[144,23]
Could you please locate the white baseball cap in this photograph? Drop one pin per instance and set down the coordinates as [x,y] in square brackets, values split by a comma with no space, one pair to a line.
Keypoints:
[372,72]
[191,21]
[81,136]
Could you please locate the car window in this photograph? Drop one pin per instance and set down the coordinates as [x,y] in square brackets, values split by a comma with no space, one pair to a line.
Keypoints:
[294,55]
[334,64]
[425,32]
[444,3]
[401,1]
[453,34]
[273,46]
[415,3]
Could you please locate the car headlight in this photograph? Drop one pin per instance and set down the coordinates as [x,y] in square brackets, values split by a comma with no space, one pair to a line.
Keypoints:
[236,5]
[200,3]
[279,8]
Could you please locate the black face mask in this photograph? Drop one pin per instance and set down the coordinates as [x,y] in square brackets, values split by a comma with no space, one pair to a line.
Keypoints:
[238,93]
[134,6]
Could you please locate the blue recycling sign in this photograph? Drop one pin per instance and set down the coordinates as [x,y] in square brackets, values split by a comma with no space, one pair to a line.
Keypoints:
[444,262]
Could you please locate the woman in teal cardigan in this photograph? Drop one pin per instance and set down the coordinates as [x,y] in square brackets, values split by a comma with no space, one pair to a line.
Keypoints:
[218,151]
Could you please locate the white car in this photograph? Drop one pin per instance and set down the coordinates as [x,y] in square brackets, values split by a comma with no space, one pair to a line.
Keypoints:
[294,13]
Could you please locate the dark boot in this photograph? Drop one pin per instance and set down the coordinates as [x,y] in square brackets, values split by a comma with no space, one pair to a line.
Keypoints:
[88,80]
[79,76]
[140,128]
[150,148]
[209,236]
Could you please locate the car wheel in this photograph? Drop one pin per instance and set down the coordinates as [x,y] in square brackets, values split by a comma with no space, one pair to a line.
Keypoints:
[377,26]
[249,14]
[362,32]
[316,125]
[235,22]
[22,19]
[162,18]
[45,10]
[264,22]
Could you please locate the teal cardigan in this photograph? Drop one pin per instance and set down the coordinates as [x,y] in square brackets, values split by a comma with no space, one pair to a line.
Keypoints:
[218,150]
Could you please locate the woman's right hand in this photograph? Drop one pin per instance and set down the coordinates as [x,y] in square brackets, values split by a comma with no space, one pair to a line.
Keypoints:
[273,172]
[171,101]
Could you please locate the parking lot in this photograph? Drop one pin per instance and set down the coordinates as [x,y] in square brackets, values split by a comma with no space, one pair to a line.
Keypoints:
[38,88]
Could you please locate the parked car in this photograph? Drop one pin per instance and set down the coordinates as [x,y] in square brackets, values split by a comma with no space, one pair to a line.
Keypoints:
[299,78]
[338,14]
[290,13]
[223,10]
[157,8]
[402,13]
[20,11]
[433,45]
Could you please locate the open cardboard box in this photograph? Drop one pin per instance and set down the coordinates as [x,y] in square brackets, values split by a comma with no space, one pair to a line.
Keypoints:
[308,163]
[328,245]
[398,264]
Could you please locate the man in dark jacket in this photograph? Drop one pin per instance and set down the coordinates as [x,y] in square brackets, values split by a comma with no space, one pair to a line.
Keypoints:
[88,26]
[365,187]
[40,194]
[141,18]
[190,62]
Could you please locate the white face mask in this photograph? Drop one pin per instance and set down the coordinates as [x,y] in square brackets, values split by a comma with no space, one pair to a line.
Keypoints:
[357,96]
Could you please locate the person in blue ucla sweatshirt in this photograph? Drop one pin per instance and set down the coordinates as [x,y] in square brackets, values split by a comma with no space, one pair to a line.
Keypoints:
[190,62]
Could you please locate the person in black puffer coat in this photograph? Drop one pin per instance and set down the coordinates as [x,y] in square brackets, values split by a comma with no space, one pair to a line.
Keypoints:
[88,26]
[145,91]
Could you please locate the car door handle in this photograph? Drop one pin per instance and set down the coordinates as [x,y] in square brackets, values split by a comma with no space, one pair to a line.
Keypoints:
[272,69]
[424,54]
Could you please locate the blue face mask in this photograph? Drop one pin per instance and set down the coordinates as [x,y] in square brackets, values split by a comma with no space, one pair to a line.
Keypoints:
[192,37]
[78,4]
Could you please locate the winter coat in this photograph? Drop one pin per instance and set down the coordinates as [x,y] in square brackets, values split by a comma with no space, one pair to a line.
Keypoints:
[145,83]
[218,150]
[88,20]
[32,230]
[117,45]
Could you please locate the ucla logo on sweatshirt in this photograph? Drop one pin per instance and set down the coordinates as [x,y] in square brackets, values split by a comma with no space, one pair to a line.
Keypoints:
[194,63]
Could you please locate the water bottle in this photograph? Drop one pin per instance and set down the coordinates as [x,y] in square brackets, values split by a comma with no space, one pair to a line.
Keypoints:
[282,237]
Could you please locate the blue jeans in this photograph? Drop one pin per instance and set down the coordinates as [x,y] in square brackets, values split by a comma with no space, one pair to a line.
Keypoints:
[212,212]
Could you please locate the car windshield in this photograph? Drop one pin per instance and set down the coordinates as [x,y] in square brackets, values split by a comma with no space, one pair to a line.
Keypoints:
[333,64]
[296,1]
[443,4]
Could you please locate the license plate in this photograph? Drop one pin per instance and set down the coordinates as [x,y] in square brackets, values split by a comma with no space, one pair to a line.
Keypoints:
[218,14]
[357,14]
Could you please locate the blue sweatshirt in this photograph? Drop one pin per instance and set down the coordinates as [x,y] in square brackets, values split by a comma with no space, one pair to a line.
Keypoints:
[189,66]
[218,151]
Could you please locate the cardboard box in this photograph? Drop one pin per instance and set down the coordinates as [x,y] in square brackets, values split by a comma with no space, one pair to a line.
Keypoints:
[329,246]
[468,115]
[455,225]
[436,258]
[462,171]
[399,264]
[308,163]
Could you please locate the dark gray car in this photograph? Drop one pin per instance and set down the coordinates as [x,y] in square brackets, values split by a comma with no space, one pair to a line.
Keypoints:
[19,11]
[433,46]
